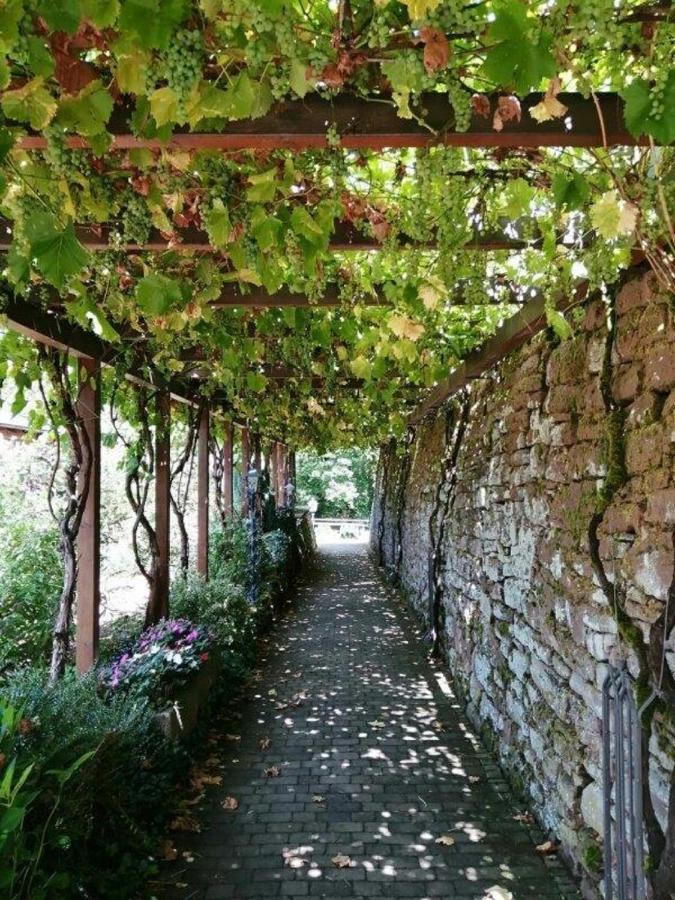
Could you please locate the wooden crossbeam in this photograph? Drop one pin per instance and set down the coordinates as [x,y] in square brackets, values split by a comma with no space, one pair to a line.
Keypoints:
[345,237]
[515,332]
[363,124]
[258,298]
[54,330]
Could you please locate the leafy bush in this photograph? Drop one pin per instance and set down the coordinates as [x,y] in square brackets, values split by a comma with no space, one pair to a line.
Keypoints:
[96,838]
[222,608]
[161,660]
[30,584]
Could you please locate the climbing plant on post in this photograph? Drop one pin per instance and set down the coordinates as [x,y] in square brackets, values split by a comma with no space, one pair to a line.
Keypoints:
[63,414]
[139,475]
[181,479]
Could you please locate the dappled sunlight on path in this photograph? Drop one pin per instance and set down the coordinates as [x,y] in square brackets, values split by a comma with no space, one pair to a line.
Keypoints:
[355,773]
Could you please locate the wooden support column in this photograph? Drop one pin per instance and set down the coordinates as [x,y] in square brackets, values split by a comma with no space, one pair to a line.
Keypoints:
[245,466]
[203,495]
[281,474]
[162,499]
[89,537]
[257,452]
[228,458]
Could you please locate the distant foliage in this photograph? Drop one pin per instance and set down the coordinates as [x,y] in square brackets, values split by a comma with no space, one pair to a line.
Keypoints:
[30,583]
[341,482]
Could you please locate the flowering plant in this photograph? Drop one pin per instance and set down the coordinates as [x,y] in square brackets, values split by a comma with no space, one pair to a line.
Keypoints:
[162,659]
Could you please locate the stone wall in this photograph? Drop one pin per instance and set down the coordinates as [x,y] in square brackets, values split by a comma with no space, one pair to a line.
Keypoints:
[548,493]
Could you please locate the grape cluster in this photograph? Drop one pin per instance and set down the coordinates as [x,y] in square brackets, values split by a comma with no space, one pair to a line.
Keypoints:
[658,92]
[461,104]
[64,162]
[182,64]
[135,219]
[378,30]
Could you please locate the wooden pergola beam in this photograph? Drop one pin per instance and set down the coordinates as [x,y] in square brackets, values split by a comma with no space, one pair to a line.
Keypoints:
[345,237]
[515,332]
[258,298]
[51,328]
[363,124]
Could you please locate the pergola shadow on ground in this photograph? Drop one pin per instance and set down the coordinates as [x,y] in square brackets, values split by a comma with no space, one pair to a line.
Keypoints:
[354,770]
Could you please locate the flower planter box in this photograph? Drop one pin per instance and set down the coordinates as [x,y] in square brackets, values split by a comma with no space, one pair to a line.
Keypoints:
[181,717]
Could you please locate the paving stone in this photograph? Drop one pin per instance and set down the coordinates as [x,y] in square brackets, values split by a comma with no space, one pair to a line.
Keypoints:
[365,739]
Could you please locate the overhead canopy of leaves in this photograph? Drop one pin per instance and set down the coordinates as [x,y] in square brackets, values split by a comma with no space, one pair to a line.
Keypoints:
[78,70]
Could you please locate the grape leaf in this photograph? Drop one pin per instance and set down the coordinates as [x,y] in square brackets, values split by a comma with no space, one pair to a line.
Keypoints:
[570,191]
[132,71]
[31,103]
[360,366]
[612,217]
[638,110]
[298,77]
[40,60]
[152,21]
[6,142]
[520,50]
[11,14]
[88,113]
[263,186]
[155,294]
[164,105]
[217,223]
[57,251]
[62,16]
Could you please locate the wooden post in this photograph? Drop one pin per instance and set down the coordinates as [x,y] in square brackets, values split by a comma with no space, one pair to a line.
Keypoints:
[89,537]
[203,495]
[245,466]
[256,452]
[280,474]
[228,457]
[162,499]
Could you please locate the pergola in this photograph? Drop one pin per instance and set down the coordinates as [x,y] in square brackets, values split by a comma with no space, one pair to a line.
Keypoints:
[595,121]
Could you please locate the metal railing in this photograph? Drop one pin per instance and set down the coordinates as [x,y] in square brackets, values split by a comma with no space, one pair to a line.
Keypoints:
[622,788]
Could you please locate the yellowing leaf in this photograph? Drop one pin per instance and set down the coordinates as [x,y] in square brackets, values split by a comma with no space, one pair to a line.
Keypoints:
[163,105]
[611,216]
[403,327]
[341,861]
[431,294]
[31,103]
[447,840]
[360,366]
[419,9]
[550,107]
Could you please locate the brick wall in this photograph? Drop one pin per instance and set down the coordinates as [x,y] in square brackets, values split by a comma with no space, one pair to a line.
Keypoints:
[505,482]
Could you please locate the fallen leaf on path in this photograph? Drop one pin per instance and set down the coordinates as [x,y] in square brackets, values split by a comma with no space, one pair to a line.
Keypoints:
[341,861]
[168,851]
[317,798]
[377,724]
[446,839]
[230,804]
[232,737]
[525,817]
[497,893]
[293,858]
[185,823]
[265,743]
[273,772]
[474,779]
[547,848]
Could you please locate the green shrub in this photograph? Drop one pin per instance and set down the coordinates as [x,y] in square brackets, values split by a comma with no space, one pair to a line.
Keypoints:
[98,836]
[30,584]
[222,608]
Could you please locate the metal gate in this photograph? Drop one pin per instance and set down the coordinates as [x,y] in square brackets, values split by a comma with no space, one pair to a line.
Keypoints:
[622,788]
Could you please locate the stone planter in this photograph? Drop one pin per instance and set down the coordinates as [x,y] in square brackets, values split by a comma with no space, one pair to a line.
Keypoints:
[180,719]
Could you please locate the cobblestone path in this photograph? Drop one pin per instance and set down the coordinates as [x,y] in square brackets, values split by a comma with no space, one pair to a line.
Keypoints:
[378,769]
